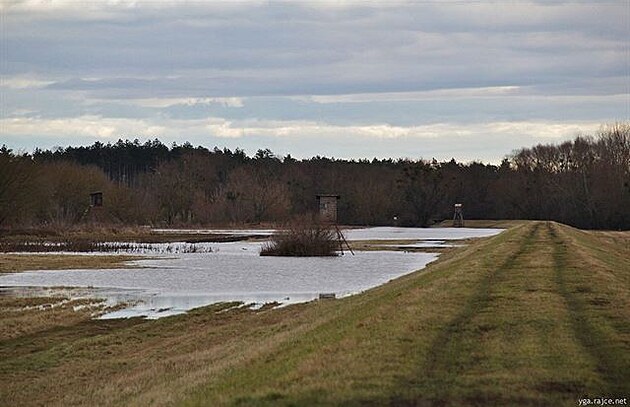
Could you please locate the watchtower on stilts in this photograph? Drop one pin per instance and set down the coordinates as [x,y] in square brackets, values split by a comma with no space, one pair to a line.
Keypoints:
[94,211]
[327,205]
[458,216]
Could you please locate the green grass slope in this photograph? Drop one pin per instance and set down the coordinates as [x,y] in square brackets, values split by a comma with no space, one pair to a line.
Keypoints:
[538,314]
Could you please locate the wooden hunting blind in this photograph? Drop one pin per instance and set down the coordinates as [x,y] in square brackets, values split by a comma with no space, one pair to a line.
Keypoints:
[327,208]
[328,215]
[96,199]
[458,216]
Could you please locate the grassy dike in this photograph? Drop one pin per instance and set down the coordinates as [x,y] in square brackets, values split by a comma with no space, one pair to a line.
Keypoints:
[538,314]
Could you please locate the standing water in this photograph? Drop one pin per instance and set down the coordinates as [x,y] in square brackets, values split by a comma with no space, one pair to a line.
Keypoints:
[174,283]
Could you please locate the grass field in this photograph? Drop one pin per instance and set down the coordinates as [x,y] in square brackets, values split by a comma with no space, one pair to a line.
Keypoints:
[537,315]
[11,263]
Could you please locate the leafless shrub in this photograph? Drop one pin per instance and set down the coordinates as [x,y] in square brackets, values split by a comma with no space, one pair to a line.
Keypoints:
[303,239]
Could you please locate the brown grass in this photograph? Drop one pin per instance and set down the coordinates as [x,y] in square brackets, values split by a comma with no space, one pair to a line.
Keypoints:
[12,263]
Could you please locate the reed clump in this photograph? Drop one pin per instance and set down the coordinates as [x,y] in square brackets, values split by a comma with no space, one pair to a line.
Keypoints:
[303,239]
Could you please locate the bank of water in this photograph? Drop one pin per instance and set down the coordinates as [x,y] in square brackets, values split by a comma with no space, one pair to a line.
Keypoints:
[173,283]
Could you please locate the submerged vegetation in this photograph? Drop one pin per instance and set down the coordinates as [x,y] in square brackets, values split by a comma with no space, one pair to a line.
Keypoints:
[536,315]
[89,246]
[123,240]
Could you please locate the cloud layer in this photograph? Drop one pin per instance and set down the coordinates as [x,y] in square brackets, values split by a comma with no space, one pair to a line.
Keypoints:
[317,71]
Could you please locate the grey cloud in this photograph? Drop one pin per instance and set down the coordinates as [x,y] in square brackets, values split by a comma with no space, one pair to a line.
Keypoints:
[258,45]
[568,59]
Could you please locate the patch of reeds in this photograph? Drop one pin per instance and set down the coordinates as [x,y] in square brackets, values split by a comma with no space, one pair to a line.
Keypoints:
[90,246]
[303,239]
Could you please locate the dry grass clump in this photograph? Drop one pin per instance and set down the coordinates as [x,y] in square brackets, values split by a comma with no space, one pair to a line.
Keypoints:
[303,239]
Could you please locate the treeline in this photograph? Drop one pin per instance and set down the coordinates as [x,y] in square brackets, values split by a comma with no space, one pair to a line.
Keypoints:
[584,182]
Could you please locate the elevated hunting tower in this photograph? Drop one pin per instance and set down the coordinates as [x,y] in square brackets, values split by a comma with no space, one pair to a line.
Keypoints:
[327,208]
[458,216]
[328,215]
[94,211]
[96,199]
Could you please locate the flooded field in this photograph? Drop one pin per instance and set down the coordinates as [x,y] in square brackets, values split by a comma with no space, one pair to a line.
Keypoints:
[418,234]
[174,282]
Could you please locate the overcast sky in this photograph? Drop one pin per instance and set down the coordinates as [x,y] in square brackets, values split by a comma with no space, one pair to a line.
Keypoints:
[347,79]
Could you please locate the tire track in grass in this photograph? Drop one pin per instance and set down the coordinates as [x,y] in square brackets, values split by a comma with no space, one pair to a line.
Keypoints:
[448,355]
[588,329]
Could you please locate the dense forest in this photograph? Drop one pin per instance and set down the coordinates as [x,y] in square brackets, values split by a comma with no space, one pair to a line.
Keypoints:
[584,182]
